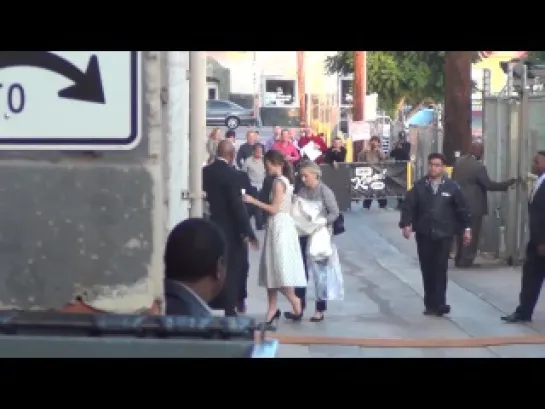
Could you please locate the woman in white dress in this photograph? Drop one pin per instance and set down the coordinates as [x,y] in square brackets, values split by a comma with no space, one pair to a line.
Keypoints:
[281,268]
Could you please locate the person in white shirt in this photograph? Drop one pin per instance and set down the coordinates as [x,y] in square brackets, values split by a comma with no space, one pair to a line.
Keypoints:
[254,166]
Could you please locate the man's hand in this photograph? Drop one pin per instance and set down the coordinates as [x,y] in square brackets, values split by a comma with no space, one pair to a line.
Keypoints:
[541,250]
[335,164]
[254,243]
[467,237]
[248,199]
[407,231]
[512,181]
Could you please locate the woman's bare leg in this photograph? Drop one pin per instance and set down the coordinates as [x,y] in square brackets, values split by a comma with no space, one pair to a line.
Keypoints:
[272,301]
[289,293]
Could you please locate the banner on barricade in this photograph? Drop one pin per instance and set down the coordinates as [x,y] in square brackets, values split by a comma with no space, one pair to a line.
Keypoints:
[387,179]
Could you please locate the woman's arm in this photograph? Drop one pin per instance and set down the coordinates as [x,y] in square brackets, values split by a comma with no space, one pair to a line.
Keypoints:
[330,204]
[277,197]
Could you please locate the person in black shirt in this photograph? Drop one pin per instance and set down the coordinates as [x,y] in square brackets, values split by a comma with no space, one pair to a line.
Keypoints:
[402,148]
[401,152]
[434,209]
[336,153]
[247,149]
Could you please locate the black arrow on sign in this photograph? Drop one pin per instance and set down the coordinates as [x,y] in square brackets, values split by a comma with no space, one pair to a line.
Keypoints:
[87,85]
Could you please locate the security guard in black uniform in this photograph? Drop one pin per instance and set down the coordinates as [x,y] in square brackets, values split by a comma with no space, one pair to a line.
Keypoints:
[435,210]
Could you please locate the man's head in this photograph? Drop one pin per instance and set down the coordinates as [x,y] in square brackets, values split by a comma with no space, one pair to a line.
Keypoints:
[226,150]
[276,132]
[337,143]
[538,165]
[375,142]
[257,151]
[436,165]
[251,137]
[291,132]
[402,136]
[195,255]
[477,150]
[230,135]
[285,135]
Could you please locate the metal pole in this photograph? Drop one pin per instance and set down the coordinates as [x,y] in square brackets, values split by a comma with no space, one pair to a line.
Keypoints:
[523,163]
[197,129]
[301,89]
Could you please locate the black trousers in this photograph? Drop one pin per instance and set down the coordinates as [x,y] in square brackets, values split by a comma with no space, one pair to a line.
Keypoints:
[433,257]
[301,292]
[230,295]
[257,214]
[533,273]
[381,202]
[245,264]
[465,255]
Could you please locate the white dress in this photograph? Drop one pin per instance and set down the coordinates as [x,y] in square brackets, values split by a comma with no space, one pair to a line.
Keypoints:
[281,262]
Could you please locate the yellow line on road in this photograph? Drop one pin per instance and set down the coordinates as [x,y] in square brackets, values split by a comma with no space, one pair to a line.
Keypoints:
[477,342]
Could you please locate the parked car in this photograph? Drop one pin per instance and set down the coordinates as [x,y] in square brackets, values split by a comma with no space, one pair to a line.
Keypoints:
[229,114]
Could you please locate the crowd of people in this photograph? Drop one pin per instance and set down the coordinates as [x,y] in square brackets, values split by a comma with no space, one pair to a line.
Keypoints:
[259,181]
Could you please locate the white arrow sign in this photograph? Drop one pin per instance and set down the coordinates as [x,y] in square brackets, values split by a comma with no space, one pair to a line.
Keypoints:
[70,100]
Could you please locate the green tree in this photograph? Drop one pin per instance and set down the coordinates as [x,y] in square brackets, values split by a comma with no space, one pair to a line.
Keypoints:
[398,77]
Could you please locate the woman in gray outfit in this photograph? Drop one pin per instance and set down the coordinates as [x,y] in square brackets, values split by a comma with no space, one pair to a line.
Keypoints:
[313,189]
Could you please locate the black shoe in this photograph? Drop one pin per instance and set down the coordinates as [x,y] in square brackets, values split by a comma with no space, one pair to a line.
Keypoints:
[442,310]
[269,325]
[318,319]
[516,317]
[438,312]
[294,317]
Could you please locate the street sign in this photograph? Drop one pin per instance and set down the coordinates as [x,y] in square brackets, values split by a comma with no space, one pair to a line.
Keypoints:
[70,100]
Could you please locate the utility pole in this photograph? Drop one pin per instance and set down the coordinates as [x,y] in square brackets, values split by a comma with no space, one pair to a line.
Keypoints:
[197,129]
[301,88]
[457,137]
[359,90]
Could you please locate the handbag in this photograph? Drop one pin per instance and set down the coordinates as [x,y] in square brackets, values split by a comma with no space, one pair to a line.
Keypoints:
[338,225]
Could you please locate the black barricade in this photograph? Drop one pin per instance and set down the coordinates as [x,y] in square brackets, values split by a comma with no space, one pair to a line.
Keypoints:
[338,180]
[383,180]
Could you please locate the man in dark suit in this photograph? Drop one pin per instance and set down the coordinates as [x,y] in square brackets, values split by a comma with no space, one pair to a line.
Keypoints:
[533,269]
[246,185]
[195,262]
[227,210]
[470,173]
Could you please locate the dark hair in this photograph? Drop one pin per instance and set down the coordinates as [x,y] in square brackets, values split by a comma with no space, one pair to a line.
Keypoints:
[337,138]
[230,134]
[375,138]
[256,147]
[541,153]
[276,158]
[437,155]
[193,249]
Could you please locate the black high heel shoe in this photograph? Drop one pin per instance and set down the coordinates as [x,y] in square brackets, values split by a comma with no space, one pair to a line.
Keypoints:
[269,325]
[294,317]
[274,317]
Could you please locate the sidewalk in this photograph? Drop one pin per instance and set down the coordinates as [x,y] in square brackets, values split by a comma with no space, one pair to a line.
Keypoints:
[383,299]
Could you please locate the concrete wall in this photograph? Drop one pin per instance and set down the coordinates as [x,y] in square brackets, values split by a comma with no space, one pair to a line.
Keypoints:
[219,74]
[73,223]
